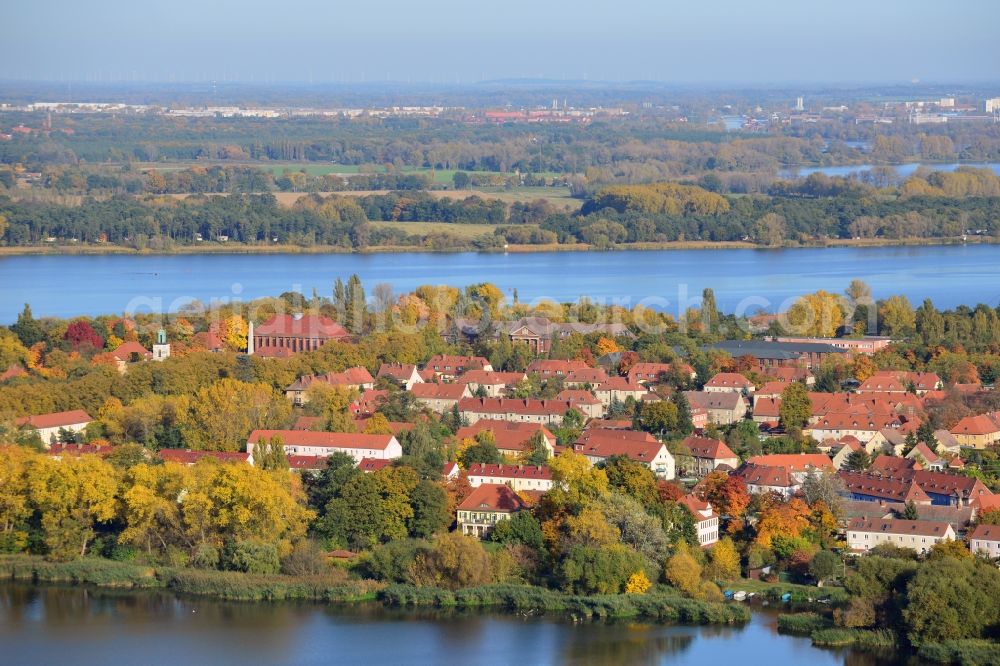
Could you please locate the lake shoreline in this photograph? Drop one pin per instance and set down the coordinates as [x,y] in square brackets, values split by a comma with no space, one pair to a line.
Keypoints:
[247,249]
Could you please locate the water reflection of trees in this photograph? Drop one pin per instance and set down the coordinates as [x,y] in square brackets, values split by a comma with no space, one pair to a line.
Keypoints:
[609,646]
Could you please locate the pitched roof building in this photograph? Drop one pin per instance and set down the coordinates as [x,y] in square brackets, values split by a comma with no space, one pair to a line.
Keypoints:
[918,535]
[297,332]
[485,506]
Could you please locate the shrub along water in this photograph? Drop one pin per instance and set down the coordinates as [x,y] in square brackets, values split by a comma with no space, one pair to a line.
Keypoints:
[658,605]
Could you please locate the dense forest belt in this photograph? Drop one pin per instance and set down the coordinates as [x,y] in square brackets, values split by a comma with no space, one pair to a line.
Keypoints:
[336,587]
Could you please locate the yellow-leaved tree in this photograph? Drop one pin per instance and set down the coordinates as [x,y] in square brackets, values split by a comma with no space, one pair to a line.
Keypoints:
[71,496]
[224,414]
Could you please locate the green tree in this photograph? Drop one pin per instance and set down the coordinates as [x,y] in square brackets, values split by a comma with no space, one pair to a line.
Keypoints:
[950,598]
[430,509]
[796,408]
[824,565]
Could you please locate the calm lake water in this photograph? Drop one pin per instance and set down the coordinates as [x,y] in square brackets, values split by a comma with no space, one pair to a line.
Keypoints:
[743,280]
[46,625]
[902,170]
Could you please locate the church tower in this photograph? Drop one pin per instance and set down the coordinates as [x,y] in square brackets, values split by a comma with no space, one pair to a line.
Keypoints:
[161,349]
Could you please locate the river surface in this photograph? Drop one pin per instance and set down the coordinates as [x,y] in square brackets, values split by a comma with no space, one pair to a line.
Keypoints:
[902,170]
[54,625]
[744,280]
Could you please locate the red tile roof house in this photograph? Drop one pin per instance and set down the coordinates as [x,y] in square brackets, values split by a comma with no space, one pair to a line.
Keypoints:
[130,352]
[841,450]
[893,381]
[919,535]
[985,540]
[440,397]
[547,412]
[704,454]
[13,372]
[722,408]
[189,457]
[868,487]
[485,507]
[652,373]
[619,389]
[494,384]
[369,465]
[583,401]
[598,445]
[512,438]
[927,458]
[404,374]
[63,449]
[771,390]
[978,432]
[309,423]
[584,377]
[448,366]
[706,520]
[357,378]
[728,381]
[295,333]
[554,368]
[518,477]
[49,425]
[367,404]
[861,426]
[764,479]
[766,410]
[325,444]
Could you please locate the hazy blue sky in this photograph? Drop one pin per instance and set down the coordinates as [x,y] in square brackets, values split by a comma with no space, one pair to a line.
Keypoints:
[468,40]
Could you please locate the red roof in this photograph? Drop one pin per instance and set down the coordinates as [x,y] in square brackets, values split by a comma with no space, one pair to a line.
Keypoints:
[431,391]
[986,533]
[124,351]
[302,326]
[698,507]
[638,446]
[547,368]
[492,497]
[508,435]
[12,372]
[515,406]
[984,424]
[652,371]
[373,464]
[491,378]
[762,475]
[586,376]
[882,487]
[356,376]
[729,380]
[892,465]
[706,447]
[79,449]
[767,408]
[510,471]
[795,462]
[399,371]
[333,440]
[369,402]
[73,417]
[898,526]
[578,396]
[309,463]
[451,364]
[620,384]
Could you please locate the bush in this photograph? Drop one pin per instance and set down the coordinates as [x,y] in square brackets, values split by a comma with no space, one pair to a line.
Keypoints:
[864,638]
[968,652]
[87,571]
[306,559]
[803,623]
[329,587]
[206,556]
[254,557]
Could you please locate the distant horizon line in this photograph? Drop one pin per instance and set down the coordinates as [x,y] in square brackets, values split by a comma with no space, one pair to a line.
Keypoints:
[845,84]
